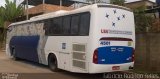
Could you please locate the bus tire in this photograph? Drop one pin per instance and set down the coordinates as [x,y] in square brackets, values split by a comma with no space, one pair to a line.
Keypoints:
[13,53]
[52,63]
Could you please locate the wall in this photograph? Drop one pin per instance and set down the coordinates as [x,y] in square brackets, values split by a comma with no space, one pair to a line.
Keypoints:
[46,8]
[134,5]
[147,54]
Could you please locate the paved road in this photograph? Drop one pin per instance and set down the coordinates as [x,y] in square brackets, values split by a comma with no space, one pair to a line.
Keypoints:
[28,70]
[20,66]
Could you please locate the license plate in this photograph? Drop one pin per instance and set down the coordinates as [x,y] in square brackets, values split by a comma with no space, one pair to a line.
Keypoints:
[116,68]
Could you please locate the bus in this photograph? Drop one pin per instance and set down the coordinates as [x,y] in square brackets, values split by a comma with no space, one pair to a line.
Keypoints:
[96,38]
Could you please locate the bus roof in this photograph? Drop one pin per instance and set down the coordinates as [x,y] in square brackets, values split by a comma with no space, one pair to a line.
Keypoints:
[62,12]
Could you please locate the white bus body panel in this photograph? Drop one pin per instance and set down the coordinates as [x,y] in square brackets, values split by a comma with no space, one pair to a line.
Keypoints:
[65,56]
[67,48]
[104,17]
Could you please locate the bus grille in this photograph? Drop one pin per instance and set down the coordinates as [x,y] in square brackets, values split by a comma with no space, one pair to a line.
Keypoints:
[79,55]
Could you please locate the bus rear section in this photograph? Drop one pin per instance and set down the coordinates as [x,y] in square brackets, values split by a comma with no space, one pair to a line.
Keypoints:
[115,39]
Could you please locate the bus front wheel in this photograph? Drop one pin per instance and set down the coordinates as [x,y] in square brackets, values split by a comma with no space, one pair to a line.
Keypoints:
[52,62]
[13,53]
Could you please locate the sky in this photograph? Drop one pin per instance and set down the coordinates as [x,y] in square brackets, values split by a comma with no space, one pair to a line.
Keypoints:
[2,2]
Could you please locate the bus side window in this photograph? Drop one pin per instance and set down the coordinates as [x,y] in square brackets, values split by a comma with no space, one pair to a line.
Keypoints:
[84,24]
[57,26]
[47,26]
[66,25]
[74,24]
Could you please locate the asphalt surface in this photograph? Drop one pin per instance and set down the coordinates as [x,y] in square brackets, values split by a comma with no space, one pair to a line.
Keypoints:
[20,66]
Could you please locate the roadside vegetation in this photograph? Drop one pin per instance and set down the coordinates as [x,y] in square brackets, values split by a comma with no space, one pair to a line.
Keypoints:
[143,21]
[8,13]
[118,2]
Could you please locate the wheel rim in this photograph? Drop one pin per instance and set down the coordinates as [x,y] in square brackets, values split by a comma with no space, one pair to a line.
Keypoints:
[53,63]
[13,53]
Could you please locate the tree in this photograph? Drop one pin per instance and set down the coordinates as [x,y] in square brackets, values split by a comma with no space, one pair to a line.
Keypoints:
[2,17]
[8,13]
[98,1]
[1,24]
[143,21]
[118,2]
[12,11]
[91,1]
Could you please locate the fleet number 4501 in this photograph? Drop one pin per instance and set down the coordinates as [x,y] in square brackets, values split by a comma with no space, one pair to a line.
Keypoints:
[105,43]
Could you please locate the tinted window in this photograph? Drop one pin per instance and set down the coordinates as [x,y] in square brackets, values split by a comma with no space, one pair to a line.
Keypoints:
[74,25]
[57,26]
[66,25]
[47,26]
[84,24]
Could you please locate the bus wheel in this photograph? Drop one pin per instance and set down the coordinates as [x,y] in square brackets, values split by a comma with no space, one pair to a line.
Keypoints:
[13,53]
[52,62]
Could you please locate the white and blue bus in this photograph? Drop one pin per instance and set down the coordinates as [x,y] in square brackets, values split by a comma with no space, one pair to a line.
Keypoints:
[96,38]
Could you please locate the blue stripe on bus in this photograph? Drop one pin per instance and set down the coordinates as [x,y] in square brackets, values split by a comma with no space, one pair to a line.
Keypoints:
[110,55]
[25,47]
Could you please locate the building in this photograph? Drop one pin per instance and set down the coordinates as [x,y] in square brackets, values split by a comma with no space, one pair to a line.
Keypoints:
[147,3]
[44,6]
[156,11]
